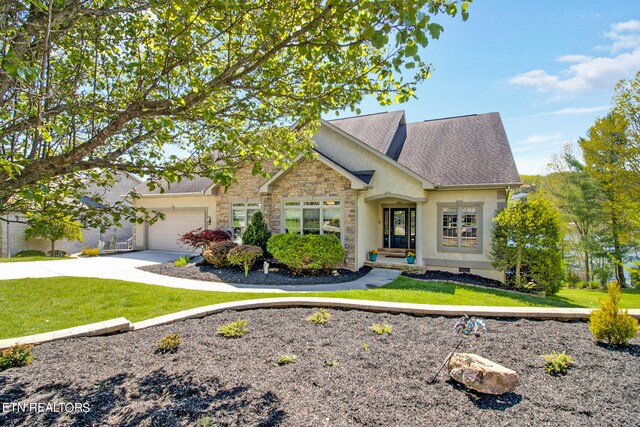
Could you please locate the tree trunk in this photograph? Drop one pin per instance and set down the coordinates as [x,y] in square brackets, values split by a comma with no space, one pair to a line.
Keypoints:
[587,269]
[518,265]
[53,248]
[617,253]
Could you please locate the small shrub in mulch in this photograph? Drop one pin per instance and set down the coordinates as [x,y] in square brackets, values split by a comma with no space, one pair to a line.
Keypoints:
[611,323]
[286,359]
[320,317]
[244,256]
[236,329]
[181,262]
[557,363]
[91,252]
[169,344]
[381,328]
[308,253]
[216,253]
[16,356]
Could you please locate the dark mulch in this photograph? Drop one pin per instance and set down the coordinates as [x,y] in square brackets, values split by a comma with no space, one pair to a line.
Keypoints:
[464,278]
[234,382]
[256,277]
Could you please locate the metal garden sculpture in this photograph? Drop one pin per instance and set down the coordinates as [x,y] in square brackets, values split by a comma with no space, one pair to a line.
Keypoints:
[469,328]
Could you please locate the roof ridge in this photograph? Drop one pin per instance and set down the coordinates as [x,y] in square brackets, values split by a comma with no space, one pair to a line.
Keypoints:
[453,117]
[366,115]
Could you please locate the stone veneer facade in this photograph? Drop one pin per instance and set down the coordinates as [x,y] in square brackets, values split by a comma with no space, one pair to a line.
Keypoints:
[308,179]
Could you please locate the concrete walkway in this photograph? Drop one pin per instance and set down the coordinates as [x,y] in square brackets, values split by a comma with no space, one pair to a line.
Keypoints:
[124,267]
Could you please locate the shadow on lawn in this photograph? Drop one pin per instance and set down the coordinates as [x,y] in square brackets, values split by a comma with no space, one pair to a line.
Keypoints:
[452,288]
[158,398]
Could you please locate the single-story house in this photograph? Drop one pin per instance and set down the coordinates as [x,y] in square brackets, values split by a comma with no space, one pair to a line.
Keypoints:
[377,182]
[12,239]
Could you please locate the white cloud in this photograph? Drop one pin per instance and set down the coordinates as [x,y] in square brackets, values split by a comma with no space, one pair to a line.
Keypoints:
[586,73]
[574,111]
[542,138]
[573,58]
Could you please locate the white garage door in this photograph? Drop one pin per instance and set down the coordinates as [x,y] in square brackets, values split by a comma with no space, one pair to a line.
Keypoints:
[163,235]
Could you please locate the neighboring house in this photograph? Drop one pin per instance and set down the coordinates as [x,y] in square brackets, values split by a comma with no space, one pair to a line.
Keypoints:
[12,238]
[378,182]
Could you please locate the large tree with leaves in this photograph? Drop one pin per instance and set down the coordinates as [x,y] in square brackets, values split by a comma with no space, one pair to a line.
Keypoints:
[579,197]
[89,87]
[527,241]
[608,157]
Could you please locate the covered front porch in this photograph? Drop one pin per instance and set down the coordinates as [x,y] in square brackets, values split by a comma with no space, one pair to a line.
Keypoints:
[399,229]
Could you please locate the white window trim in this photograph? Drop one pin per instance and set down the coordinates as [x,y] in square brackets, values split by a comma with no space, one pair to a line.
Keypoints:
[479,232]
[244,208]
[321,200]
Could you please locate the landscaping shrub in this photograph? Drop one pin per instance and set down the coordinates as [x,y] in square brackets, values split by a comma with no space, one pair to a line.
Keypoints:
[320,317]
[257,232]
[200,239]
[308,253]
[57,254]
[181,262]
[90,251]
[557,363]
[16,356]
[594,284]
[169,344]
[235,329]
[29,253]
[581,285]
[244,256]
[216,253]
[286,359]
[381,328]
[611,323]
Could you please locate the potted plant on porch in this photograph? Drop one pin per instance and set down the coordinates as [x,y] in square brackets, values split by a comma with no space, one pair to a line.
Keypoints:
[372,254]
[411,257]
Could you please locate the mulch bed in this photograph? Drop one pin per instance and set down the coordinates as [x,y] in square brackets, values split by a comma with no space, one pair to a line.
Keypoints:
[234,382]
[255,277]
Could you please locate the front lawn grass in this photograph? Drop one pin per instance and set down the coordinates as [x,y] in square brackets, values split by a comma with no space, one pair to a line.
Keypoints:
[32,306]
[32,258]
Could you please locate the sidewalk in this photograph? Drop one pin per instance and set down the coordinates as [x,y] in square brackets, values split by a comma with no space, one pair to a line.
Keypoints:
[125,267]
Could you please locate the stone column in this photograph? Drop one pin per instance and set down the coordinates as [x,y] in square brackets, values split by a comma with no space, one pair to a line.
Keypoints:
[419,220]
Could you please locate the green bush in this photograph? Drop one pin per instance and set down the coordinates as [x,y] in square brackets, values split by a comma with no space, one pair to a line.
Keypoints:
[16,356]
[244,256]
[257,232]
[181,262]
[381,328]
[29,253]
[169,344]
[90,251]
[320,317]
[611,323]
[557,363]
[594,284]
[309,253]
[581,285]
[235,329]
[286,359]
[57,254]
[216,253]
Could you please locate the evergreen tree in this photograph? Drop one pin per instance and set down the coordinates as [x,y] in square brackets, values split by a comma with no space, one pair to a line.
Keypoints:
[257,232]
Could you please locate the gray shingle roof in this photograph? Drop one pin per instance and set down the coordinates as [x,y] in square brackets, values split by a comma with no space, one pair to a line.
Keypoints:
[375,130]
[197,185]
[466,150]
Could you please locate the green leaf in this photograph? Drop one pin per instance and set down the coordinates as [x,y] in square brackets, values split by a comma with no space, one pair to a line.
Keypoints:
[435,30]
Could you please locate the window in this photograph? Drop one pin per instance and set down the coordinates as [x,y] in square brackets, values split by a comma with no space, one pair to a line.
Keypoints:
[459,227]
[241,214]
[316,217]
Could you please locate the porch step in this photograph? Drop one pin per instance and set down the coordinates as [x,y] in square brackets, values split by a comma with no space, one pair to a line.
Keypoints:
[409,268]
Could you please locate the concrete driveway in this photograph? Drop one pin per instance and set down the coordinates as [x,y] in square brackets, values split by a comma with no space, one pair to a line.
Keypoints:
[124,267]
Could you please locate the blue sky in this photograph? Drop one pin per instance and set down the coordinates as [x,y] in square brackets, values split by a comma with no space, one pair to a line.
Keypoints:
[548,67]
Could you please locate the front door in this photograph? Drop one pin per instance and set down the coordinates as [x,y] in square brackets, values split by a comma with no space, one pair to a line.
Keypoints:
[399,228]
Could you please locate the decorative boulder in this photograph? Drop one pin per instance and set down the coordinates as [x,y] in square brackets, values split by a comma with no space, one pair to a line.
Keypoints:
[482,374]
